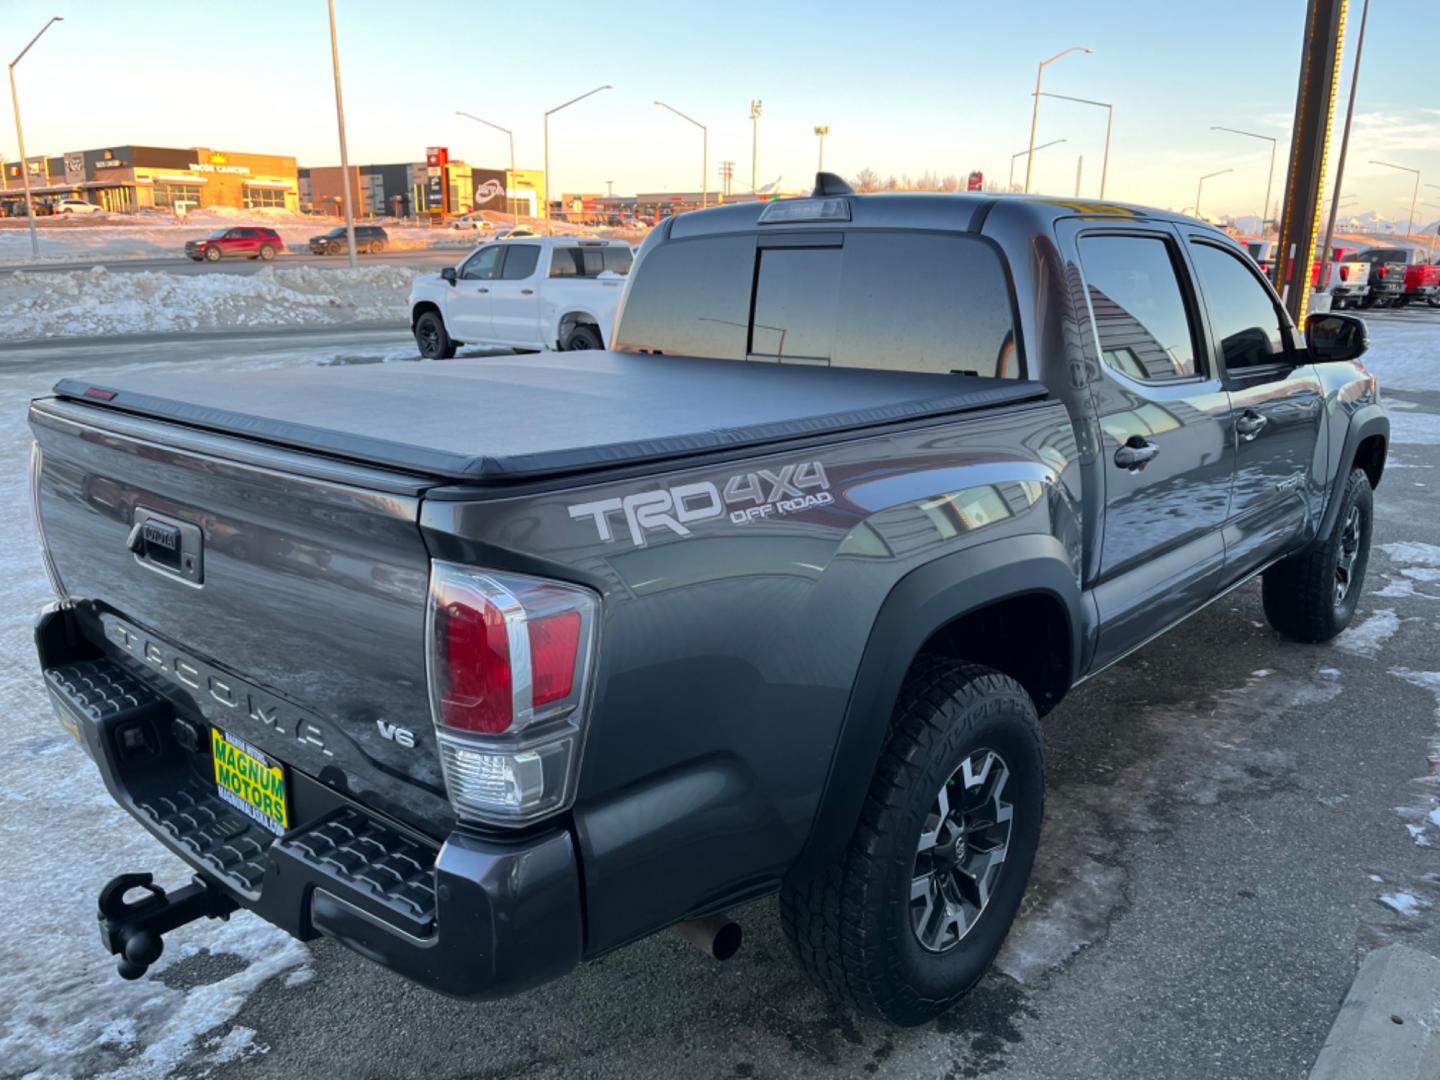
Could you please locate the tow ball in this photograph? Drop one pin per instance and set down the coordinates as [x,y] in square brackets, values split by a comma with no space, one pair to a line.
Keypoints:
[132,929]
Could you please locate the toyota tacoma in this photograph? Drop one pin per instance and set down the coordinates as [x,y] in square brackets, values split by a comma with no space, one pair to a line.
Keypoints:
[486,668]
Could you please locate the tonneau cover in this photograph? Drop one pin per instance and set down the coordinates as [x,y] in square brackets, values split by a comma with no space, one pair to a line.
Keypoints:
[521,417]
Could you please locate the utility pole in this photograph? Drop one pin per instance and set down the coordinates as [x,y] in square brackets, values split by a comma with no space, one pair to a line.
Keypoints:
[727,176]
[821,130]
[754,140]
[344,153]
[1079,169]
[20,138]
[1344,149]
[1109,127]
[1035,112]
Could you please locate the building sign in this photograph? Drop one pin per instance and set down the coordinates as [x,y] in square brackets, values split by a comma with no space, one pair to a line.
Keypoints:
[489,188]
[211,167]
[976,181]
[111,163]
[74,168]
[437,192]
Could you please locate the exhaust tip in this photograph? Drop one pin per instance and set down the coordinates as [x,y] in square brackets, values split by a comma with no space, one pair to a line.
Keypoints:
[718,937]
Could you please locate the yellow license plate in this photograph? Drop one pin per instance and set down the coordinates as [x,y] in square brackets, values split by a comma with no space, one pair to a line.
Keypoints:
[250,781]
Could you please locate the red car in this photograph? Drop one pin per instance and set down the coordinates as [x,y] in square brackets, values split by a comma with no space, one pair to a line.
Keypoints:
[248,241]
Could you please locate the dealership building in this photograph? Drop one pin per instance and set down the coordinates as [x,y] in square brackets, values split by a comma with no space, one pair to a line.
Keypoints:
[129,178]
[405,190]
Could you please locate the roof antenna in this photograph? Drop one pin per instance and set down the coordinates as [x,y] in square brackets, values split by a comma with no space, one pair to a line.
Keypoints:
[827,183]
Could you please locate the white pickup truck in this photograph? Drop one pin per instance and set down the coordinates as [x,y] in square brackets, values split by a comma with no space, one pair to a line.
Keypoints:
[532,293]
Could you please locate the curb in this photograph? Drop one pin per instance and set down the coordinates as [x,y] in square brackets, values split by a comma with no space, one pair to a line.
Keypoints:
[1389,1023]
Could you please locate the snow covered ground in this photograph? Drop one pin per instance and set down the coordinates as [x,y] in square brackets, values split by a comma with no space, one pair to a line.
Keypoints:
[91,302]
[65,1013]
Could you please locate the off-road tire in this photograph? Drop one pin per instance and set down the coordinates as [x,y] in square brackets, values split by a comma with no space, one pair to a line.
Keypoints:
[582,338]
[431,337]
[850,927]
[1300,592]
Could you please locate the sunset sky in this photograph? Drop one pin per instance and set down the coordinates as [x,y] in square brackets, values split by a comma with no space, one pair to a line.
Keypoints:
[904,88]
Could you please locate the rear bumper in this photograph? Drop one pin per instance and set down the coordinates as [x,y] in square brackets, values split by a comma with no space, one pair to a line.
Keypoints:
[471,917]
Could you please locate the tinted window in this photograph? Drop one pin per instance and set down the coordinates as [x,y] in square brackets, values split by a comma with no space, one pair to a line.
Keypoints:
[618,260]
[1242,314]
[481,266]
[1140,314]
[565,262]
[520,260]
[904,301]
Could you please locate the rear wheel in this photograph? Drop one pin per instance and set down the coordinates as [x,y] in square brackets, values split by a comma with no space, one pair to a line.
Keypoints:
[911,915]
[1312,596]
[582,338]
[267,252]
[431,337]
[212,254]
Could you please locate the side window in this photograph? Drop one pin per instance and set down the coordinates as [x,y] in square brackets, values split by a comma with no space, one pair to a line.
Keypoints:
[520,260]
[1244,317]
[563,262]
[481,266]
[1140,312]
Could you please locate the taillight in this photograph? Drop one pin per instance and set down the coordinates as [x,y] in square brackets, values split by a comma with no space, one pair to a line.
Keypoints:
[1344,273]
[508,658]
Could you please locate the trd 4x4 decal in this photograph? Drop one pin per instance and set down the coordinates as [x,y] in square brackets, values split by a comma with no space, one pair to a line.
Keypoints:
[745,497]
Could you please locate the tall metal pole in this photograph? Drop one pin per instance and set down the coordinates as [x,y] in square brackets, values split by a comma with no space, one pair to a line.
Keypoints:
[1079,169]
[1325,260]
[510,204]
[755,106]
[821,130]
[1410,228]
[20,138]
[1035,112]
[1010,184]
[704,153]
[344,152]
[1109,125]
[1270,182]
[1201,185]
[549,228]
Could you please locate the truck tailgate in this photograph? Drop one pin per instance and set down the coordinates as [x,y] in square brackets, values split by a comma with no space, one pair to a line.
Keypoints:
[297,623]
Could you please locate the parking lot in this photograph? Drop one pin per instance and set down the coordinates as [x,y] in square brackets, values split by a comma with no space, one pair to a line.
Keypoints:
[1232,822]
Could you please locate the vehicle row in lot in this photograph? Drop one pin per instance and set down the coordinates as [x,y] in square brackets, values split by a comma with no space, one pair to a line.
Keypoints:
[1375,277]
[369,239]
[50,207]
[523,292]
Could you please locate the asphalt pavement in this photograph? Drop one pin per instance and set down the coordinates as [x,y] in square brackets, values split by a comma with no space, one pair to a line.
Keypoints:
[1233,822]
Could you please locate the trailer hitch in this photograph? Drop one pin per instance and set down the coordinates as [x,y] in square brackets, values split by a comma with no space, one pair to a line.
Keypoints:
[132,930]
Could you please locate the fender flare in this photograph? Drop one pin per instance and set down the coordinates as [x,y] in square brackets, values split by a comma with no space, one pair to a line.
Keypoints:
[920,603]
[1364,422]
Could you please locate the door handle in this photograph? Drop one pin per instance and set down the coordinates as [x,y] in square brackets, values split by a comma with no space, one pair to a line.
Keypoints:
[1250,424]
[527,292]
[482,289]
[1135,453]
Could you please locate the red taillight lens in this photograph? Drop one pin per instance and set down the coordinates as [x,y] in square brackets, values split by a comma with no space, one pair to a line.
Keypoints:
[554,645]
[475,690]
[1344,273]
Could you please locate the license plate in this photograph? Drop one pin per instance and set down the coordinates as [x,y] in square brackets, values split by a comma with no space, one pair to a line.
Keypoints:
[250,780]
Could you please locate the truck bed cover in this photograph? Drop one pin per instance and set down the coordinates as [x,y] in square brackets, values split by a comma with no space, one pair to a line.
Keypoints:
[524,417]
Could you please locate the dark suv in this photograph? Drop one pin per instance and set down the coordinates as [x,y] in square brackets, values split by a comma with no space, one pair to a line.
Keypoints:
[248,241]
[368,238]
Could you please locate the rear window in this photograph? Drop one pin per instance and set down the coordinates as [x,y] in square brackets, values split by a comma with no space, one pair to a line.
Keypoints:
[904,301]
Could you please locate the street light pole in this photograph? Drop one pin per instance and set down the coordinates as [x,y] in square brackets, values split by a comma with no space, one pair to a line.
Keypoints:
[1035,112]
[1274,144]
[1410,228]
[1109,124]
[821,130]
[1201,185]
[20,138]
[704,153]
[510,181]
[549,229]
[1010,184]
[344,153]
[754,139]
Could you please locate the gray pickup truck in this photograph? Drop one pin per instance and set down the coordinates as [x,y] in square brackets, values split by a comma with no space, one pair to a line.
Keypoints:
[484,668]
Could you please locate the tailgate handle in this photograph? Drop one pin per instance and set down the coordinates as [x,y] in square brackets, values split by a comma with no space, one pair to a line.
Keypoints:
[167,546]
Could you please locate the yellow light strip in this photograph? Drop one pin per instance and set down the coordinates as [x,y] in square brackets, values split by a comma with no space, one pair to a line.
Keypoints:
[1323,257]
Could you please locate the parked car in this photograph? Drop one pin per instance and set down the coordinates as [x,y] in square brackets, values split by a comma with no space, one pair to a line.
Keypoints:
[1386,277]
[472,221]
[485,669]
[240,241]
[1347,280]
[16,208]
[76,206]
[530,293]
[371,239]
[515,232]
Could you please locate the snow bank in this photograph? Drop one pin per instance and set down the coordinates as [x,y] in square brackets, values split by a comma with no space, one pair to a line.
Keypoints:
[94,302]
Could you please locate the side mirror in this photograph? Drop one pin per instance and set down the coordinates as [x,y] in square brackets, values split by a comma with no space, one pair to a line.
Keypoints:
[448,274]
[1332,336]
